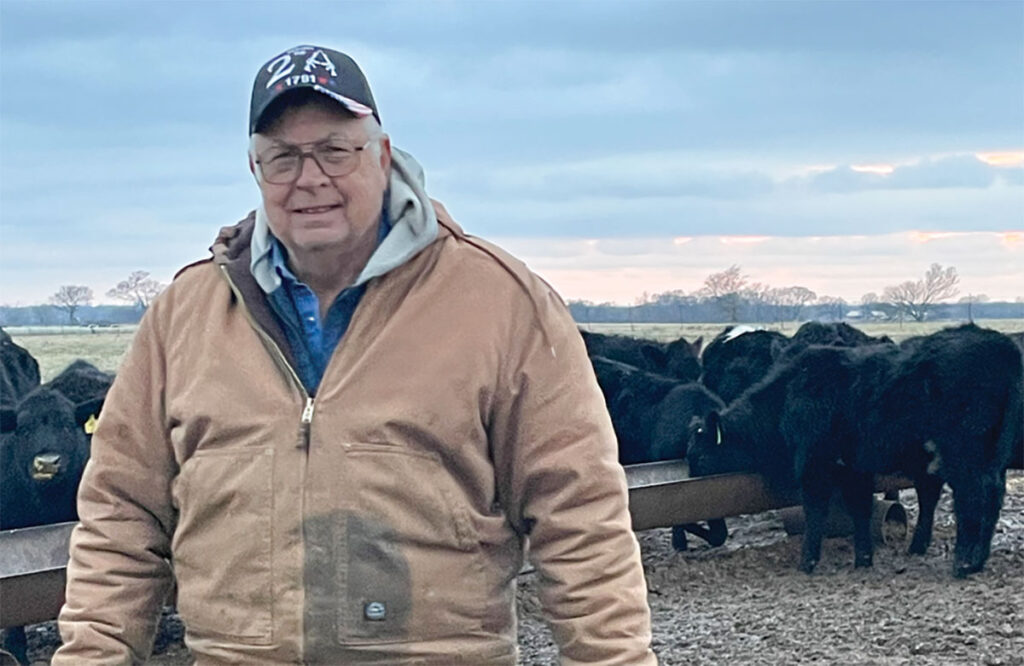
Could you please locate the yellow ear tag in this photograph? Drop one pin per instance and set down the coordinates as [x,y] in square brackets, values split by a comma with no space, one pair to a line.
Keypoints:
[718,435]
[90,425]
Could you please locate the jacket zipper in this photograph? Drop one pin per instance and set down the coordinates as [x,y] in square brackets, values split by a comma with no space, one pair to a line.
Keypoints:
[306,419]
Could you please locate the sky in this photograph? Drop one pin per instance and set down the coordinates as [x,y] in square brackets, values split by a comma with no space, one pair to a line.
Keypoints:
[617,148]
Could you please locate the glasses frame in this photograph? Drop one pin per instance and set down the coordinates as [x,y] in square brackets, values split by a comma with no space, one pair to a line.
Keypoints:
[303,154]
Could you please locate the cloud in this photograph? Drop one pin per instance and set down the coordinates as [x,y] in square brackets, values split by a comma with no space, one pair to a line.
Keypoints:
[956,171]
[123,123]
[844,266]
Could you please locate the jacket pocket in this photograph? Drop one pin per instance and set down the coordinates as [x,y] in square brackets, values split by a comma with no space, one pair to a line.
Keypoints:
[221,551]
[408,560]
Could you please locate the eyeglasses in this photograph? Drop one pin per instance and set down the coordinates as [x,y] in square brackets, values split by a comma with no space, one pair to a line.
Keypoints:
[281,165]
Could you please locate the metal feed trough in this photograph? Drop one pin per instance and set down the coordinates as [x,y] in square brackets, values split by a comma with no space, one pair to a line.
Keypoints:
[33,560]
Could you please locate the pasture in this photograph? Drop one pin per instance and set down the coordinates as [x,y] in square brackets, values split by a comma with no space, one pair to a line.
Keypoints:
[55,347]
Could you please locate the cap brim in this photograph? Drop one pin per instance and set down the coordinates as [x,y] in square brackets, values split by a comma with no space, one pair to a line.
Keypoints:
[354,107]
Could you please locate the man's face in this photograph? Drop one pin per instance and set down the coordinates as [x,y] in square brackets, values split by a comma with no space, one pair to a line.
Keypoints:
[316,212]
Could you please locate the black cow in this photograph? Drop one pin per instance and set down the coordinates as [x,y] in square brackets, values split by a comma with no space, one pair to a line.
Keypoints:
[838,334]
[737,358]
[942,408]
[19,371]
[1017,460]
[651,413]
[651,416]
[44,447]
[43,450]
[678,358]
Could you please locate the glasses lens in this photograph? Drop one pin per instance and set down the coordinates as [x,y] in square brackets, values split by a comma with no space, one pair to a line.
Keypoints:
[335,159]
[279,167]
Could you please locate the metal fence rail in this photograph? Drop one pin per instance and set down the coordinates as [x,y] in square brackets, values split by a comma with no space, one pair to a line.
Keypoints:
[33,560]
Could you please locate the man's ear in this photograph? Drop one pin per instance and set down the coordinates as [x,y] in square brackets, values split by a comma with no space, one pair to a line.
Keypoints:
[385,154]
[252,168]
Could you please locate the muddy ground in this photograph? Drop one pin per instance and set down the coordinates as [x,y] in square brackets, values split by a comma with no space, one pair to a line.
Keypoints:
[746,603]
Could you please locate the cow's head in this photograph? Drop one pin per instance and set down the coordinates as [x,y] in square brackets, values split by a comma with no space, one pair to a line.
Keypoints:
[47,438]
[713,449]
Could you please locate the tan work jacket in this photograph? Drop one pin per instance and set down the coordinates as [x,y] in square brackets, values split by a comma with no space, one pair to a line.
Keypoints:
[381,521]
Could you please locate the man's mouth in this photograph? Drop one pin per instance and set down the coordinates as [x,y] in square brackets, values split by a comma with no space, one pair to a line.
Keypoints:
[315,210]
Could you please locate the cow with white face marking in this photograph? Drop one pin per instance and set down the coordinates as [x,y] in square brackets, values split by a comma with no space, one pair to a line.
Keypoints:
[944,408]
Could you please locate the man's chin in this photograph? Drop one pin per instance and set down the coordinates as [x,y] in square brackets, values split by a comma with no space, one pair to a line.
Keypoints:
[317,243]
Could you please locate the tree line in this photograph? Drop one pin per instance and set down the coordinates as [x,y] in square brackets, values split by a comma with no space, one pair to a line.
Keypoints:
[730,296]
[727,296]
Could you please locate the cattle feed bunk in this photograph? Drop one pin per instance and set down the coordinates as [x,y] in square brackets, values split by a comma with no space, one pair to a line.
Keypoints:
[661,494]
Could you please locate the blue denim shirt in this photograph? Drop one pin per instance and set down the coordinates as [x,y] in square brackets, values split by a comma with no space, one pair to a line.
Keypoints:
[298,310]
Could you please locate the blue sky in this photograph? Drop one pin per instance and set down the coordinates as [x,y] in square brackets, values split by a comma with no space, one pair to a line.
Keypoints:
[616,147]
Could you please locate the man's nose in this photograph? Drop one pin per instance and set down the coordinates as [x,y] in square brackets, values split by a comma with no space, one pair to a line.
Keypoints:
[310,173]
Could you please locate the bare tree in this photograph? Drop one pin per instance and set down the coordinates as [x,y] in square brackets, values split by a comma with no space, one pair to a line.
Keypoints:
[791,301]
[724,288]
[70,297]
[139,289]
[758,296]
[834,306]
[915,299]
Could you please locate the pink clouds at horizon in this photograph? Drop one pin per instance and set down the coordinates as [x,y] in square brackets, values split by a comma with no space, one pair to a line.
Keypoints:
[621,271]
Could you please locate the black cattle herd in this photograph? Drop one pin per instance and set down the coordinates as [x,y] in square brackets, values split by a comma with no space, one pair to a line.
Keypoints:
[828,408]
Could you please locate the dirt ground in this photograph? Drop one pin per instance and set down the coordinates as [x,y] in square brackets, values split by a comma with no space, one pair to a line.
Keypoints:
[746,603]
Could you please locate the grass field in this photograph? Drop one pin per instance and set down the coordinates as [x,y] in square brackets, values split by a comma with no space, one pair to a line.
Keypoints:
[55,348]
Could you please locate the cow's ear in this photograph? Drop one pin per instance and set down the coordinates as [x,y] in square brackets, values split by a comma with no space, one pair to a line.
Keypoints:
[656,356]
[697,345]
[713,423]
[88,408]
[8,419]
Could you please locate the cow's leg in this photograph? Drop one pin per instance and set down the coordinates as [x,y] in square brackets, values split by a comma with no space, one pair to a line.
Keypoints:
[14,641]
[858,490]
[976,503]
[994,494]
[928,487]
[817,493]
[718,532]
[715,533]
[679,541]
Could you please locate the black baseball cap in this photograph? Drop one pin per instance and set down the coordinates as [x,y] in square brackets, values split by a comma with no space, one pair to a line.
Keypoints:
[325,70]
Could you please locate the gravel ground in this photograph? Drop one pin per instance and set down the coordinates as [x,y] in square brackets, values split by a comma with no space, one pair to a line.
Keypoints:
[746,603]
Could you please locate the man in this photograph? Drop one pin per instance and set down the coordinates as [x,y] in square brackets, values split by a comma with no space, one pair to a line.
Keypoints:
[340,430]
